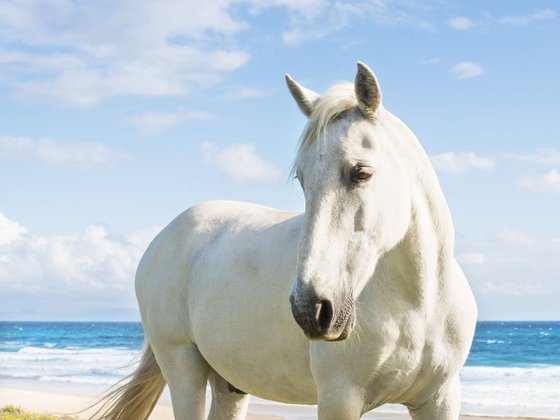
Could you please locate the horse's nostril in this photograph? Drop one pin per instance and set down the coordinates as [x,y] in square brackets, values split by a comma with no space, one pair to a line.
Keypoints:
[323,314]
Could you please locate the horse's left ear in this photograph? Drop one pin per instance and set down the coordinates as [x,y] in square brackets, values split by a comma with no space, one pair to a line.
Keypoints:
[367,90]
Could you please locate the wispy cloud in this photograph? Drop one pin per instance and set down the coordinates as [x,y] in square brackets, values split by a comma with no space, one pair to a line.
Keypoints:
[459,163]
[297,36]
[471,259]
[54,152]
[529,264]
[240,162]
[547,183]
[307,8]
[334,17]
[530,243]
[461,23]
[243,92]
[465,23]
[157,122]
[511,263]
[467,70]
[323,22]
[538,15]
[433,60]
[543,156]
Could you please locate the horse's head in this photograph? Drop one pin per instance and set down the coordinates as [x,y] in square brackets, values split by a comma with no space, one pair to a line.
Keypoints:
[357,201]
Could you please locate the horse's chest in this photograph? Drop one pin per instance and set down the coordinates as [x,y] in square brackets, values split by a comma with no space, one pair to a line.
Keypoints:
[407,371]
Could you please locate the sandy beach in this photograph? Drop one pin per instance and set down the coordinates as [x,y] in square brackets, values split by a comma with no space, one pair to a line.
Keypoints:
[65,403]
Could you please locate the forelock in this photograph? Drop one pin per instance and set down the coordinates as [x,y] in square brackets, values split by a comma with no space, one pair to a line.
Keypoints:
[338,100]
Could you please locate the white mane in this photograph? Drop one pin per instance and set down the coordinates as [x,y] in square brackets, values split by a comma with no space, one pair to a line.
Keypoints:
[338,100]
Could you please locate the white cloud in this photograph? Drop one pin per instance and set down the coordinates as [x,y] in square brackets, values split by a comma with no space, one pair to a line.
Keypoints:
[81,53]
[466,70]
[83,155]
[459,163]
[297,36]
[172,70]
[538,15]
[89,261]
[470,259]
[242,92]
[240,162]
[157,122]
[544,156]
[10,231]
[461,23]
[548,183]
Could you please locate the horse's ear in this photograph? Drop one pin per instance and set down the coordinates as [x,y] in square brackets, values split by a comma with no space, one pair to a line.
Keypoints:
[305,98]
[367,90]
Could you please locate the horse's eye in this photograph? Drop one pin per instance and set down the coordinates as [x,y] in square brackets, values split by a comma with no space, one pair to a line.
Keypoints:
[361,173]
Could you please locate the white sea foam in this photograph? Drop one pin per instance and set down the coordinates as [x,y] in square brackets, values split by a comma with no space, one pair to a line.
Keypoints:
[79,366]
[82,380]
[512,391]
[499,391]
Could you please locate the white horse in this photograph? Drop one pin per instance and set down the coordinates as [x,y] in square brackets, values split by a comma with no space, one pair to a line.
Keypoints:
[355,303]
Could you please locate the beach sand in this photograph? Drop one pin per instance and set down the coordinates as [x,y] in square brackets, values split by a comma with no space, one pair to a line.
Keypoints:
[65,403]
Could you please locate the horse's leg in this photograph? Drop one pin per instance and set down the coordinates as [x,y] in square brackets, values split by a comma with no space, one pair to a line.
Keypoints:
[228,403]
[186,373]
[339,401]
[444,405]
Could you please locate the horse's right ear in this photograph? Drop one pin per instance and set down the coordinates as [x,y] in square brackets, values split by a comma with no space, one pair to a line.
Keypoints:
[305,98]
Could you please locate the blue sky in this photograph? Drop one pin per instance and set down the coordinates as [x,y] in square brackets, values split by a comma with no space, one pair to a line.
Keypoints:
[115,116]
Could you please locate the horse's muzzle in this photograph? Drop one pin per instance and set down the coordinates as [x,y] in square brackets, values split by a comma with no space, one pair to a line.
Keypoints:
[321,319]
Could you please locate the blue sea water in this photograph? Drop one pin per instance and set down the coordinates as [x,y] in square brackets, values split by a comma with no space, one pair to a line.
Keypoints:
[80,353]
[516,344]
[513,368]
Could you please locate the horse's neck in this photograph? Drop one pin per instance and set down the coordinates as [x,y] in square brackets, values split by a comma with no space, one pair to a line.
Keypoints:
[422,259]
[417,267]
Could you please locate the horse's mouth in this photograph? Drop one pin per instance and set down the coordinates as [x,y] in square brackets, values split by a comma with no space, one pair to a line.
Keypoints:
[348,327]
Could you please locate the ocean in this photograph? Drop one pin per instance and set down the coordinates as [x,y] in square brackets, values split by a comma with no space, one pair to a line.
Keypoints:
[513,368]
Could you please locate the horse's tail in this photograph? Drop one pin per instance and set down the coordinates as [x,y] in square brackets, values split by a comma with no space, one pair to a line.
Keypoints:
[138,394]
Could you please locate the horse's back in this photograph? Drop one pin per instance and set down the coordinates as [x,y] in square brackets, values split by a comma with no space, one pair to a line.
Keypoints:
[162,277]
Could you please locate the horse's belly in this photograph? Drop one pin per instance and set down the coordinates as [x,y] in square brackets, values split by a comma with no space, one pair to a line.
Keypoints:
[261,371]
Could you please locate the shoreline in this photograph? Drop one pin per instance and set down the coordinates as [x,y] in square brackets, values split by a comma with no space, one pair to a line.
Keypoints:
[60,403]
